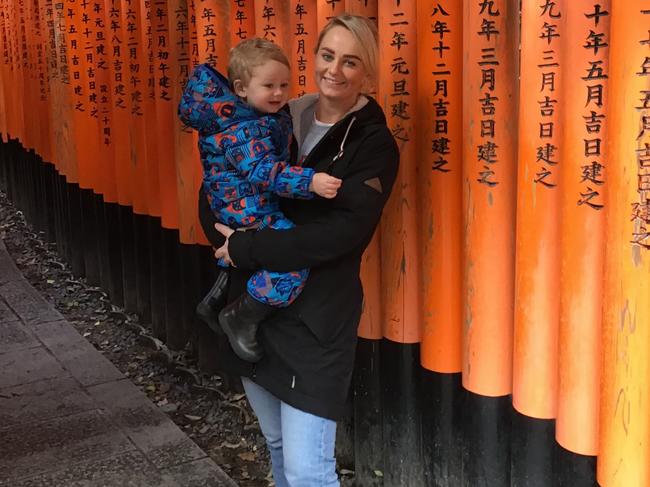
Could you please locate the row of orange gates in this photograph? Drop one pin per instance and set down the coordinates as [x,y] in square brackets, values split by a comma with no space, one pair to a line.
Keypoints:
[515,250]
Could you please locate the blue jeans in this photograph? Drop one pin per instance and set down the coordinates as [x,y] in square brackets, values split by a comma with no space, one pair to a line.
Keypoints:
[301,444]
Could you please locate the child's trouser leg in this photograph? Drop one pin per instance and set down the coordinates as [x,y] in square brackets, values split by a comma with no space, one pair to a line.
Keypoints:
[277,289]
[266,291]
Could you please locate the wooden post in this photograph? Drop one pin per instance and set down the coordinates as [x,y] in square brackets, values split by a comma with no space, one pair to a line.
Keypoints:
[624,447]
[583,185]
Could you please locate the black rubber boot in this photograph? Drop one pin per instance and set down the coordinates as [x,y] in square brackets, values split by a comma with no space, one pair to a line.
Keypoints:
[208,309]
[239,321]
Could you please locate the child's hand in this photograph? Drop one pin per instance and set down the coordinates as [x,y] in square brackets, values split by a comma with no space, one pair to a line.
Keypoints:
[325,185]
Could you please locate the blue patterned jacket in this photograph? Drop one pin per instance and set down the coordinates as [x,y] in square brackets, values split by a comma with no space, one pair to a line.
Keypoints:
[244,153]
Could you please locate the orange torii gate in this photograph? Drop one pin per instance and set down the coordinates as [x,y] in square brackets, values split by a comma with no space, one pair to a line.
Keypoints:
[506,327]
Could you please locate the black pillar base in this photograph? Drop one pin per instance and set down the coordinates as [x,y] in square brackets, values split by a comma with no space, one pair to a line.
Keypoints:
[127,234]
[486,425]
[157,288]
[369,443]
[441,402]
[142,266]
[400,367]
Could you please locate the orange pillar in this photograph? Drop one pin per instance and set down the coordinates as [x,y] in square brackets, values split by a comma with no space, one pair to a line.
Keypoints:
[583,185]
[120,114]
[4,73]
[32,101]
[26,48]
[440,141]
[367,8]
[149,106]
[22,73]
[106,149]
[88,35]
[272,21]
[489,194]
[185,141]
[135,78]
[327,9]
[399,230]
[85,127]
[47,51]
[41,85]
[62,105]
[624,447]
[537,265]
[165,64]
[213,38]
[242,21]
[304,34]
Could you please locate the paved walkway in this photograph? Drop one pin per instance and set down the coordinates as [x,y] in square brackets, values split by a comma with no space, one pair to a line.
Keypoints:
[69,418]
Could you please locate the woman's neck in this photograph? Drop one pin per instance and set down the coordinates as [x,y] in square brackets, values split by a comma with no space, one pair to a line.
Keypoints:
[329,111]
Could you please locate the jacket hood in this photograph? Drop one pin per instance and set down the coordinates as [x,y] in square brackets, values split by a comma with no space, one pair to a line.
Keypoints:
[366,112]
[209,105]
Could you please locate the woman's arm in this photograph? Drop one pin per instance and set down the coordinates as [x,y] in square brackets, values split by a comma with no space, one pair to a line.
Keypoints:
[354,215]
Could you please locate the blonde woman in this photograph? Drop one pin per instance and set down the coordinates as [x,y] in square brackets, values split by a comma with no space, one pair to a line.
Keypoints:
[299,388]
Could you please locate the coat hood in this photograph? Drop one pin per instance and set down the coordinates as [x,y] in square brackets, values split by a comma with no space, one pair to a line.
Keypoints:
[208,105]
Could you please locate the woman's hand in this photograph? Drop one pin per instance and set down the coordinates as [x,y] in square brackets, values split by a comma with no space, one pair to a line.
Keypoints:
[222,252]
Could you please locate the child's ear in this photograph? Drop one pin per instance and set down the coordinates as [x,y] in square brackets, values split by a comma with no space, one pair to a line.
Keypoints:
[239,88]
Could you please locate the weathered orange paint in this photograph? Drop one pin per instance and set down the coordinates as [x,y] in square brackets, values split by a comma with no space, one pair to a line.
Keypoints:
[488,208]
[624,446]
[328,9]
[304,34]
[582,239]
[165,64]
[242,21]
[399,230]
[272,22]
[367,8]
[136,79]
[440,138]
[537,262]
[370,326]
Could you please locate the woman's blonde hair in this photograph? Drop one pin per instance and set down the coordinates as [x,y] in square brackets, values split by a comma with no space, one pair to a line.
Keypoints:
[364,31]
[251,53]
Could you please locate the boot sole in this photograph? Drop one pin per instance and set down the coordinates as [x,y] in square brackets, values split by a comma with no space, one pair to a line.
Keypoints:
[242,354]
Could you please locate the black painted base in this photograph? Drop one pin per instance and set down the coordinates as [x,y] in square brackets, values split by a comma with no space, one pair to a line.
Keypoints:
[401,424]
[441,403]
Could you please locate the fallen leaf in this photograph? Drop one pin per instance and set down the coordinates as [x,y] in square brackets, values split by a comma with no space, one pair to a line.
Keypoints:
[192,417]
[169,408]
[247,456]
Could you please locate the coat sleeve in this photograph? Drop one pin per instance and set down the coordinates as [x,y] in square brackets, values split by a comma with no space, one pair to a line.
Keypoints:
[254,159]
[353,216]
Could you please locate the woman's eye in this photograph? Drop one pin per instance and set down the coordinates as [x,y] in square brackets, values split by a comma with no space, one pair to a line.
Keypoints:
[284,85]
[268,86]
[327,57]
[351,63]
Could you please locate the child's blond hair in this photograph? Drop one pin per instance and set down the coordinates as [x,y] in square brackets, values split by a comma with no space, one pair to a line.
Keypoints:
[249,54]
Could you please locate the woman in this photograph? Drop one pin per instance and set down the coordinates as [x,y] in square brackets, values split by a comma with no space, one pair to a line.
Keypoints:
[299,388]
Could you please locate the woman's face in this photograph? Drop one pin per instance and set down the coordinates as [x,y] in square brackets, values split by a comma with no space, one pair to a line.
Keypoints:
[340,74]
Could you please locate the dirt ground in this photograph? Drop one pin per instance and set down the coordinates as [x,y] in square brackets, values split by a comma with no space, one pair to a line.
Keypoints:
[220,422]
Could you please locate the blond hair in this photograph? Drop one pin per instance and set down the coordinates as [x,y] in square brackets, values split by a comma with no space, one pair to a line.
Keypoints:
[364,31]
[251,53]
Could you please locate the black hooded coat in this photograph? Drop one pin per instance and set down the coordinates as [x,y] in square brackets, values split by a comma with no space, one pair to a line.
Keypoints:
[309,347]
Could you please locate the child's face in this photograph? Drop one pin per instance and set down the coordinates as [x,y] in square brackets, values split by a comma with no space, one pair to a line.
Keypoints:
[268,88]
